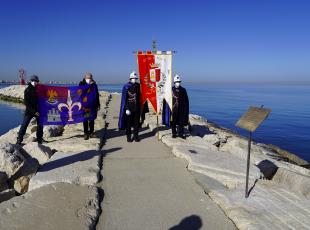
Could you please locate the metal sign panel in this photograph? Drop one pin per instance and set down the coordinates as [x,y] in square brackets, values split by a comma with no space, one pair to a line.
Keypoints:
[253,118]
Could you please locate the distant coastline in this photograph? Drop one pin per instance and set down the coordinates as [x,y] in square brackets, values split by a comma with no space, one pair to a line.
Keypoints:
[212,82]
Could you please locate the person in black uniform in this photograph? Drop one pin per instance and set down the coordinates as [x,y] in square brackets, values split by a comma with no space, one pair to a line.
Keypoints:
[32,108]
[89,125]
[180,108]
[130,108]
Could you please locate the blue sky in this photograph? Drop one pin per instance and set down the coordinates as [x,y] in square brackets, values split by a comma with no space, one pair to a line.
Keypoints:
[215,40]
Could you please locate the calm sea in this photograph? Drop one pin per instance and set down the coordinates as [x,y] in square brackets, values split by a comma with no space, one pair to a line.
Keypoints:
[288,125]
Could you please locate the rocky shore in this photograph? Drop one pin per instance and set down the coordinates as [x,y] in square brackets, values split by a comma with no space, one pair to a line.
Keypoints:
[13,93]
[58,176]
[279,185]
[66,168]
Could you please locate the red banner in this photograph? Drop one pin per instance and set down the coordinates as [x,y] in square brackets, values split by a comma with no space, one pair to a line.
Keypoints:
[148,83]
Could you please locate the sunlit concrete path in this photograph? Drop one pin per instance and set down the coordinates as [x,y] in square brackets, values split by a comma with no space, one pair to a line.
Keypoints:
[146,187]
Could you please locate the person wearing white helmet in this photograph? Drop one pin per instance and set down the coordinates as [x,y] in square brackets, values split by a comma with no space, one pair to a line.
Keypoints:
[180,108]
[130,108]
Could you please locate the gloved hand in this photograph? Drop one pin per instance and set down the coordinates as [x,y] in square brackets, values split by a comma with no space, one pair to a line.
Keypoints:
[128,112]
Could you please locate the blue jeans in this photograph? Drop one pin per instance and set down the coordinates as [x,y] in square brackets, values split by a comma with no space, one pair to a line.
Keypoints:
[23,128]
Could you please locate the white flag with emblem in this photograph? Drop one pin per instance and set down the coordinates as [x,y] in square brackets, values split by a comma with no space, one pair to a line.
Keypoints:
[163,62]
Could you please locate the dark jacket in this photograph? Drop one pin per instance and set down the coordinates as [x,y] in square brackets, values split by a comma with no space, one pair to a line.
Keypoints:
[181,113]
[135,106]
[31,100]
[124,104]
[93,84]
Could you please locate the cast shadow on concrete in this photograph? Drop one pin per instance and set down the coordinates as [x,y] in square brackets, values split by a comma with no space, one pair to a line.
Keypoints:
[112,133]
[83,156]
[147,135]
[199,130]
[267,168]
[251,189]
[66,138]
[192,222]
[161,128]
[97,134]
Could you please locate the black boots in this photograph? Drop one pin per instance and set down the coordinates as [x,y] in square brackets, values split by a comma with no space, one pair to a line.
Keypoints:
[135,138]
[89,135]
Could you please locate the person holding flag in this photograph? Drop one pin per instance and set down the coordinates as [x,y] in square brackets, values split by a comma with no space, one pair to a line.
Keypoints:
[130,108]
[180,108]
[32,111]
[89,123]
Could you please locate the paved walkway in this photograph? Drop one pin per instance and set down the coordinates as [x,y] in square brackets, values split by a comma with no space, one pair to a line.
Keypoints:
[145,187]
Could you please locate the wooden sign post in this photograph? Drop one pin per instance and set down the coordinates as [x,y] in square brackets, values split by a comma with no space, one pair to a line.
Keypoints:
[250,121]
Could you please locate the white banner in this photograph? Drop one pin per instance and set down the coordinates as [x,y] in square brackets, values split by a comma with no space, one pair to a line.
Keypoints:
[163,61]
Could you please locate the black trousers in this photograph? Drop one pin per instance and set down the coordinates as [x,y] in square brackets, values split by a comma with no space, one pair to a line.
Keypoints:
[132,120]
[180,129]
[175,124]
[23,128]
[88,127]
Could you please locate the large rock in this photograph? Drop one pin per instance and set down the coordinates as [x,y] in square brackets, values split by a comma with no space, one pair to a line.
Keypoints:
[40,152]
[52,131]
[10,136]
[239,147]
[199,142]
[59,206]
[290,156]
[74,168]
[269,206]
[212,139]
[223,167]
[20,180]
[14,91]
[11,160]
[293,181]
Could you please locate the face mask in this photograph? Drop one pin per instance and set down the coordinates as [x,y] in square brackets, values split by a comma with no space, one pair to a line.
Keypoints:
[133,81]
[87,81]
[177,84]
[33,83]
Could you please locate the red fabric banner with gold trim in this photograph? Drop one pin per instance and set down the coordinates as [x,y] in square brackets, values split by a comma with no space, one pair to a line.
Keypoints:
[148,86]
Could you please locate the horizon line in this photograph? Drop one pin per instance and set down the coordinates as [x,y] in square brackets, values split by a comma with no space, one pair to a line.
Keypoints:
[189,82]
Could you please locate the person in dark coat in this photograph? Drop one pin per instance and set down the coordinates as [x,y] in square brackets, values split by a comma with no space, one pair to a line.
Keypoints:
[32,108]
[89,125]
[180,108]
[130,108]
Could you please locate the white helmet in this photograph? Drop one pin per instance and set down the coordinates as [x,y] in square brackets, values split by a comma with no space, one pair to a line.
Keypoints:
[177,78]
[133,75]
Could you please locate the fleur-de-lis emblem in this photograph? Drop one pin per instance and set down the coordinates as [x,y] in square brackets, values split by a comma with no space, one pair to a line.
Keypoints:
[69,106]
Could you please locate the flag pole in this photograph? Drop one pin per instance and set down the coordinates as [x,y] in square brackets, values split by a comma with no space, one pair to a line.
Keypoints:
[154,49]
